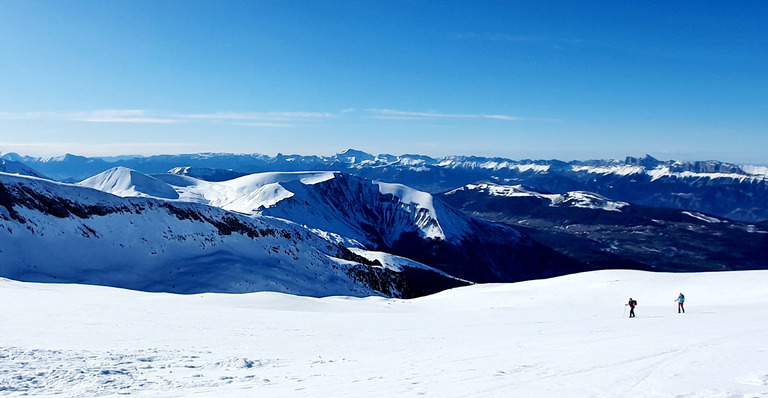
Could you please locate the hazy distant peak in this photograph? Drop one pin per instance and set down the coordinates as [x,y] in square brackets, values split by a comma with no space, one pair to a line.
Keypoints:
[354,156]
[14,167]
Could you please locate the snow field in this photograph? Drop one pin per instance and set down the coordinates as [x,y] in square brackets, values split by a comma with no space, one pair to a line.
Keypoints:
[558,337]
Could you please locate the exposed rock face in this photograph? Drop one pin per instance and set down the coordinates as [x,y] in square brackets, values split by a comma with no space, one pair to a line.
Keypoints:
[428,231]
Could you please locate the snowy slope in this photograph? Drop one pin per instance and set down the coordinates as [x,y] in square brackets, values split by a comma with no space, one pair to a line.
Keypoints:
[756,170]
[561,337]
[122,181]
[423,206]
[370,212]
[58,232]
[251,193]
[254,193]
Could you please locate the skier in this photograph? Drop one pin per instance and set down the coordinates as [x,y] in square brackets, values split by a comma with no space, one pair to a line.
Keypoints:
[632,304]
[680,300]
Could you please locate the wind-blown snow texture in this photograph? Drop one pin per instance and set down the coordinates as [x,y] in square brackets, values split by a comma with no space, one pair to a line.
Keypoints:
[561,337]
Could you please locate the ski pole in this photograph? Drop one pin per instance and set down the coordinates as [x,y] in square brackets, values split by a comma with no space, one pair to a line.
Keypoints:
[625,311]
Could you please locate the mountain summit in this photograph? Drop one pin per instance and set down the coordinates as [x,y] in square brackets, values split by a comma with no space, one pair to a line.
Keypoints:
[123,181]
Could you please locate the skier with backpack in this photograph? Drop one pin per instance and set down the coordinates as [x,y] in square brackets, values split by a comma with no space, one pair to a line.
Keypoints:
[632,304]
[680,300]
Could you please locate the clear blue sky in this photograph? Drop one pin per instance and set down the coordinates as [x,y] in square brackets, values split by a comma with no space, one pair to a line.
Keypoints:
[536,79]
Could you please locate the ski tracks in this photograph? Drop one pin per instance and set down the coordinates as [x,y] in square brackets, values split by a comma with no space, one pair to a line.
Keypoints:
[90,374]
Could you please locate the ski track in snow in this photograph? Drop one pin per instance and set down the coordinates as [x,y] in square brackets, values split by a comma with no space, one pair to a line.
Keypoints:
[84,373]
[557,337]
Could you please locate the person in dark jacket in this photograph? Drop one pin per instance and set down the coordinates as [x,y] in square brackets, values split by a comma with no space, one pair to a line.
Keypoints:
[632,304]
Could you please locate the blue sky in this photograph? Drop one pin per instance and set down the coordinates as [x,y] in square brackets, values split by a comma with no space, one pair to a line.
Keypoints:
[539,79]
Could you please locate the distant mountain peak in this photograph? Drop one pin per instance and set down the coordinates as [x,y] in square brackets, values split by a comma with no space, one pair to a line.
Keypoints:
[646,161]
[589,200]
[11,156]
[15,167]
[354,156]
[122,181]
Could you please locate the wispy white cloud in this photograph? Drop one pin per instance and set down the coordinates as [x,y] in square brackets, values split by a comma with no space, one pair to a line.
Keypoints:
[100,149]
[260,119]
[121,116]
[263,124]
[250,119]
[396,114]
[260,116]
[98,116]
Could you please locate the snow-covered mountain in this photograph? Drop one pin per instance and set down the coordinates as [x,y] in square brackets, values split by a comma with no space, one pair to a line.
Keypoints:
[581,215]
[610,234]
[581,199]
[122,181]
[66,168]
[364,214]
[14,167]
[414,224]
[206,173]
[54,232]
[722,189]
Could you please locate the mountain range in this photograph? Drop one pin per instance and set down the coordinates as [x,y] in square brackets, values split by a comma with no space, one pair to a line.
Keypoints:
[54,232]
[737,192]
[358,224]
[315,233]
[612,234]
